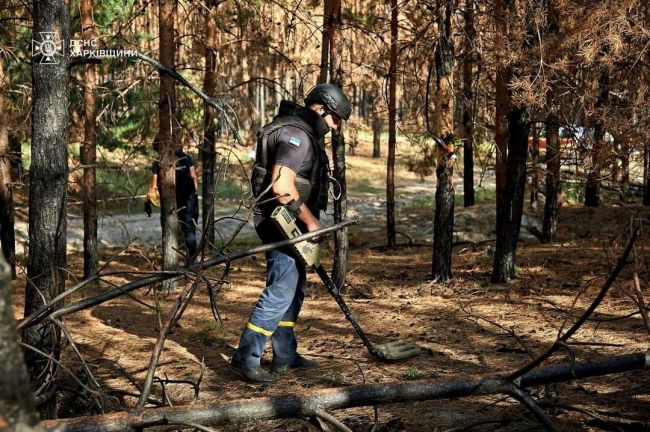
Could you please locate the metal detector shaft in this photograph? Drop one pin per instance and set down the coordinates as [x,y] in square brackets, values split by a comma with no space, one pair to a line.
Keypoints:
[334,292]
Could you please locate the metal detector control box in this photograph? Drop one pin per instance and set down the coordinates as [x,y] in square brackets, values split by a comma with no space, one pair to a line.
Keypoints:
[308,251]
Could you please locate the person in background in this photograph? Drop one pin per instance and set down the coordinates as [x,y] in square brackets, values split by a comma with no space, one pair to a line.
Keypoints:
[187,202]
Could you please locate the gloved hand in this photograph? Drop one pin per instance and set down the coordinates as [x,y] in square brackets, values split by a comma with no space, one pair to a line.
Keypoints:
[147,208]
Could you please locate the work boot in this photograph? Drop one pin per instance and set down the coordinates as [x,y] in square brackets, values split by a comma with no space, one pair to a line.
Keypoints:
[253,376]
[299,364]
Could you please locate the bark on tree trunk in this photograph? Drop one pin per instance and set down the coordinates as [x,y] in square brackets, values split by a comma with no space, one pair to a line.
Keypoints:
[391,241]
[347,397]
[377,126]
[88,149]
[443,127]
[646,174]
[168,142]
[598,153]
[7,235]
[443,228]
[47,189]
[325,46]
[553,187]
[625,168]
[534,175]
[17,173]
[16,396]
[468,112]
[339,270]
[208,150]
[501,111]
[509,218]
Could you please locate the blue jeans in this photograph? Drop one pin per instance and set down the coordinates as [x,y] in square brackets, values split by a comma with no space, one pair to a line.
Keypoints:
[187,216]
[275,313]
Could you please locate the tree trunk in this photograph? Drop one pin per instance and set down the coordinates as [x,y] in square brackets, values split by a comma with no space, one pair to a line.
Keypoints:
[325,45]
[7,236]
[534,175]
[208,150]
[335,23]
[391,241]
[509,218]
[17,173]
[598,153]
[501,111]
[443,225]
[88,149]
[646,174]
[16,396]
[468,112]
[48,186]
[553,186]
[625,168]
[443,127]
[168,142]
[306,405]
[377,126]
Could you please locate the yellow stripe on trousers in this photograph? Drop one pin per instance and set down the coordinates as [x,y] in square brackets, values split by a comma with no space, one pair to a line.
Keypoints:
[257,329]
[286,324]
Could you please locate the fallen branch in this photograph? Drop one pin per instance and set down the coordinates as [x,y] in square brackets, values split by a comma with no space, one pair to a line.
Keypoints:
[560,341]
[526,400]
[347,397]
[176,313]
[164,275]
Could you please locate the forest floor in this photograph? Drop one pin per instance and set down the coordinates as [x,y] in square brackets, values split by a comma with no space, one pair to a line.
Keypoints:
[466,325]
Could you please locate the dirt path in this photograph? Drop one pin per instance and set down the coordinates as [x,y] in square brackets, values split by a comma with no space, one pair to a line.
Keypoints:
[475,224]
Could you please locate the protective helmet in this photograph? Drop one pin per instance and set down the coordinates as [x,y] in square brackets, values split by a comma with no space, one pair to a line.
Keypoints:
[332,97]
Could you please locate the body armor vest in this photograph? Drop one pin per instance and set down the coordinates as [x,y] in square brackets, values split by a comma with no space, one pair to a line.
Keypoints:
[312,190]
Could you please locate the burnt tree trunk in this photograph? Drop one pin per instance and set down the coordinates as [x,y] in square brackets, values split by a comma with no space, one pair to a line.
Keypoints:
[16,396]
[553,186]
[598,152]
[443,127]
[377,126]
[443,228]
[208,150]
[339,266]
[48,186]
[553,143]
[7,235]
[646,174]
[17,173]
[534,175]
[325,45]
[625,168]
[509,218]
[88,149]
[391,241]
[168,142]
[501,110]
[468,104]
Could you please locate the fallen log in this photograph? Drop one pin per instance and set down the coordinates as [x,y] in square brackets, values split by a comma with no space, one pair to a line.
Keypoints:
[346,397]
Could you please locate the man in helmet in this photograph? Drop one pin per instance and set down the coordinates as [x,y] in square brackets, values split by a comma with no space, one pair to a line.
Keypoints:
[291,168]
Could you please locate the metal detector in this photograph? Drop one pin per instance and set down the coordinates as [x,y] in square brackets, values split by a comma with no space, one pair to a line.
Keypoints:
[309,252]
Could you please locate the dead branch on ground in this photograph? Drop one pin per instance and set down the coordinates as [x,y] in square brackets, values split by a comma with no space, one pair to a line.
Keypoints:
[348,397]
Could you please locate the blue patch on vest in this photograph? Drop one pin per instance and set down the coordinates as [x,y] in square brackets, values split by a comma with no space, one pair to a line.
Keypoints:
[295,141]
